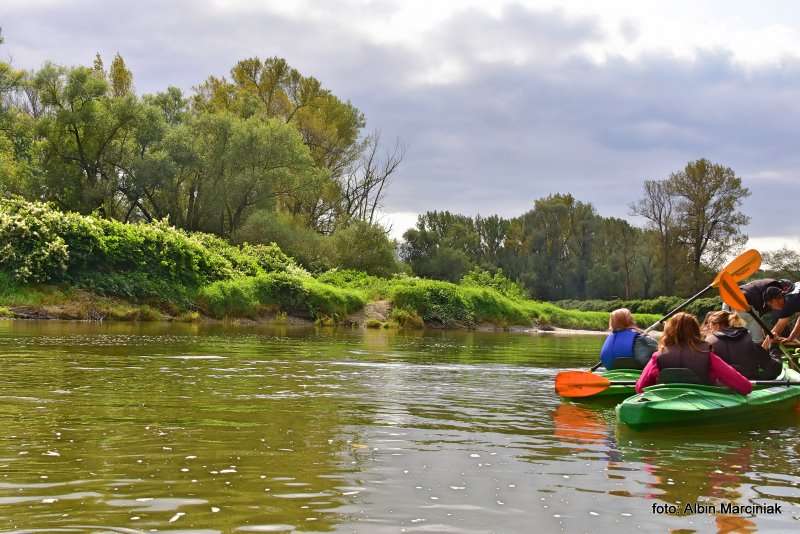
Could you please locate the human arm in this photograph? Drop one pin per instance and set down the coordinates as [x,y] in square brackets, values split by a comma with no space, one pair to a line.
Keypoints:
[649,374]
[780,325]
[795,334]
[721,372]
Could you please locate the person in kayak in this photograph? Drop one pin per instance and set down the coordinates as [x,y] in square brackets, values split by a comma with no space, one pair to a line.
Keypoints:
[626,340]
[681,346]
[785,303]
[730,340]
[755,293]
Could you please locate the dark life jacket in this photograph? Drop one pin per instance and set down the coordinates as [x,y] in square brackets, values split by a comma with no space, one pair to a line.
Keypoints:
[685,357]
[735,346]
[618,344]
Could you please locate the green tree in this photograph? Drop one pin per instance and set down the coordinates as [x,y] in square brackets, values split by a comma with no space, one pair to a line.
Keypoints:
[120,77]
[783,263]
[364,247]
[709,196]
[84,132]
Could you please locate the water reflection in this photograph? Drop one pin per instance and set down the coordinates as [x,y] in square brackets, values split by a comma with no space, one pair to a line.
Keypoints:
[204,428]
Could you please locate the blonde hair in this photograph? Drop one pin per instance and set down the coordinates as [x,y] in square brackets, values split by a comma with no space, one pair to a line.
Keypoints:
[682,329]
[621,319]
[717,320]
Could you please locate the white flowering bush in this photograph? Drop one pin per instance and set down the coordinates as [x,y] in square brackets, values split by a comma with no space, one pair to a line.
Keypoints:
[31,249]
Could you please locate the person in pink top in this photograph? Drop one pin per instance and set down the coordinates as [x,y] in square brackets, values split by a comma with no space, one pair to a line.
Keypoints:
[682,346]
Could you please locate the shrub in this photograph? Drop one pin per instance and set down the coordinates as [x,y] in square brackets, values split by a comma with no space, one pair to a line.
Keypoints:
[657,306]
[407,318]
[436,302]
[480,278]
[372,285]
[297,295]
[30,245]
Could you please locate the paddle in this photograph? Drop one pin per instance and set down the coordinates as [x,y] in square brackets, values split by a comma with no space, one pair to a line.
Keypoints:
[744,265]
[578,384]
[741,267]
[732,296]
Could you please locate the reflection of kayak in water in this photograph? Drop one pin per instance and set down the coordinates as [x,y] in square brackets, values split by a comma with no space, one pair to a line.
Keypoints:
[675,404]
[576,423]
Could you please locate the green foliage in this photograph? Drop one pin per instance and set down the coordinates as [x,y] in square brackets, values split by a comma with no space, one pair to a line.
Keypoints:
[407,319]
[40,244]
[364,247]
[372,286]
[309,248]
[298,295]
[31,246]
[658,306]
[481,278]
[436,302]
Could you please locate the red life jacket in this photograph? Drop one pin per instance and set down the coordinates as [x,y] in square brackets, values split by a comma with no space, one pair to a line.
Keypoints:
[682,356]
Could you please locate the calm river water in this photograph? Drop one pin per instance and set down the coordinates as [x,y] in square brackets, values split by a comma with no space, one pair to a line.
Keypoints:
[186,428]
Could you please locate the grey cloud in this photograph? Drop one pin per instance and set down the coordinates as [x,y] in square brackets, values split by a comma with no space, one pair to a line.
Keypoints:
[494,140]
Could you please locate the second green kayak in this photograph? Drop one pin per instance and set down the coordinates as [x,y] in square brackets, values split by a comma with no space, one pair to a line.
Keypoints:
[675,404]
[619,375]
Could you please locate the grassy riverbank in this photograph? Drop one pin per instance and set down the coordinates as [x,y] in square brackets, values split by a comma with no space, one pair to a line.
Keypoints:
[65,265]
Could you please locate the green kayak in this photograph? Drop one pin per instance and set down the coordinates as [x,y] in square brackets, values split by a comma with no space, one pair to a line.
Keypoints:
[675,404]
[619,375]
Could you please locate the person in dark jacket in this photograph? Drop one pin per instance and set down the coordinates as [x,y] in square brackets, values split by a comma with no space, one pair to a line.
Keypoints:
[682,347]
[785,304]
[626,340]
[730,340]
[760,294]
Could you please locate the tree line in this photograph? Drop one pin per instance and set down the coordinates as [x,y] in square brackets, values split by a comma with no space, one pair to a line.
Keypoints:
[563,249]
[268,154]
[265,154]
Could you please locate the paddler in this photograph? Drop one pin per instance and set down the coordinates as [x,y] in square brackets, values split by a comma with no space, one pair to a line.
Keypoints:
[682,347]
[626,340]
[729,339]
[756,293]
[785,302]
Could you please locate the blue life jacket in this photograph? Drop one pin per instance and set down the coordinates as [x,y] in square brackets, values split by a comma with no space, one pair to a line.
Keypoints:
[619,344]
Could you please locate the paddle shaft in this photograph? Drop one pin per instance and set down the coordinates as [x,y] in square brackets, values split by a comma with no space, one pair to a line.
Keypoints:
[679,308]
[754,382]
[760,322]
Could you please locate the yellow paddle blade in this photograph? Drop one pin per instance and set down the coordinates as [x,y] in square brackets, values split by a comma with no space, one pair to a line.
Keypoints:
[574,384]
[742,267]
[731,294]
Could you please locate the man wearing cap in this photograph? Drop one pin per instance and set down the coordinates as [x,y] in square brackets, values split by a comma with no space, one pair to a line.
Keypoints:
[785,304]
[755,293]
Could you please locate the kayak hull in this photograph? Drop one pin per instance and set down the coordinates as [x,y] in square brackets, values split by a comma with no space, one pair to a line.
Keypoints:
[615,391]
[682,404]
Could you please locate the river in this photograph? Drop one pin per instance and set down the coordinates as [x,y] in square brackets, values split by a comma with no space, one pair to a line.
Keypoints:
[203,428]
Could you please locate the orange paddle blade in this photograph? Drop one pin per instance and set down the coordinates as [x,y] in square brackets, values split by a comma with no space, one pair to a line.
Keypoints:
[574,384]
[731,294]
[742,267]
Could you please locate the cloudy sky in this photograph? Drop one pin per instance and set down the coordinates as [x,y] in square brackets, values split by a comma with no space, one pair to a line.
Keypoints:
[499,103]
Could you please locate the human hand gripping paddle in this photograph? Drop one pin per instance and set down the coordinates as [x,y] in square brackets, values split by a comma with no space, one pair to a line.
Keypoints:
[744,265]
[732,296]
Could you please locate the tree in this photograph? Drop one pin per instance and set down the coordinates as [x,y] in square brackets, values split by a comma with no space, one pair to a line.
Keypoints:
[364,184]
[365,247]
[783,263]
[658,207]
[120,77]
[84,131]
[709,196]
